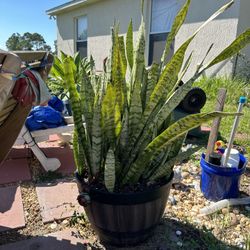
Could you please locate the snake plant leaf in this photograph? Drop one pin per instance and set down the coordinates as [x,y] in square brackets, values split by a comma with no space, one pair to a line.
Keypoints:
[76,152]
[168,78]
[144,89]
[87,99]
[109,171]
[129,45]
[108,113]
[170,73]
[166,83]
[166,169]
[135,112]
[77,59]
[239,43]
[182,74]
[168,152]
[115,54]
[139,59]
[173,132]
[179,20]
[118,67]
[96,151]
[76,108]
[122,53]
[153,74]
[172,103]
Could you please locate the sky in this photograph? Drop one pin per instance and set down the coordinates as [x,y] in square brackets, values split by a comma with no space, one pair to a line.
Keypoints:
[20,16]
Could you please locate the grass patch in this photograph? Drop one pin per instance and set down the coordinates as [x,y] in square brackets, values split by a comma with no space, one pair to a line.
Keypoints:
[235,89]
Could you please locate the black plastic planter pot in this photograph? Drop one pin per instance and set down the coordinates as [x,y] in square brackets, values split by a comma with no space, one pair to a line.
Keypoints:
[125,219]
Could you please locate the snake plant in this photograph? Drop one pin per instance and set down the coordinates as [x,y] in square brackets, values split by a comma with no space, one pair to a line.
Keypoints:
[124,133]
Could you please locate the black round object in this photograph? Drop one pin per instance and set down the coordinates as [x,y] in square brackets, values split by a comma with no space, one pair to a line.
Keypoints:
[194,101]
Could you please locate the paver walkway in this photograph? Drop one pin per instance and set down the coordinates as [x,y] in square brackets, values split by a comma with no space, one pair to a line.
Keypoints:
[63,240]
[15,168]
[57,200]
[11,208]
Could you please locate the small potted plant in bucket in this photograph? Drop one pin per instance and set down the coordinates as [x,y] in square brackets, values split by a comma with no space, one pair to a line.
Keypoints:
[127,147]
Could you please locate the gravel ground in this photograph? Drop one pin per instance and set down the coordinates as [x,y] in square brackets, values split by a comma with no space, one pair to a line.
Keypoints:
[180,228]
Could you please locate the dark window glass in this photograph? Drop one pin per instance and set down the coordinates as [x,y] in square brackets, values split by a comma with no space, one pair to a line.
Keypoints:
[82,47]
[157,44]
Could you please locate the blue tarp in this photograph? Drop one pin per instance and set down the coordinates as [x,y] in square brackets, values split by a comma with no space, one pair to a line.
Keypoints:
[43,117]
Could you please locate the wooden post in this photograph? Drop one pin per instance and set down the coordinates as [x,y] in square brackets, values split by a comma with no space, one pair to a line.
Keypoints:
[216,123]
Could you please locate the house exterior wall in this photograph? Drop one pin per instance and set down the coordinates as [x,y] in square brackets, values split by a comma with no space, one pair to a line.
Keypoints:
[244,23]
[102,14]
[222,31]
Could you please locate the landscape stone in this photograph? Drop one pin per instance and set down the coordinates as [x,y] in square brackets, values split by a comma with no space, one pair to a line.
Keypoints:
[58,201]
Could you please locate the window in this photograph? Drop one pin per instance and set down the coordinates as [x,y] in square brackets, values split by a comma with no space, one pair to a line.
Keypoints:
[82,35]
[163,13]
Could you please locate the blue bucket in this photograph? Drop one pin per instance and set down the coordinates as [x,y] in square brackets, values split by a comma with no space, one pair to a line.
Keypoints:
[218,183]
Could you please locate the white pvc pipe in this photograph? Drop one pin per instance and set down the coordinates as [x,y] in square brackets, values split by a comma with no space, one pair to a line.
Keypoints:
[242,101]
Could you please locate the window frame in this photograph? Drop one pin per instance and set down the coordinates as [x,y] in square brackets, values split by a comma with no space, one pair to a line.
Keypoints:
[82,41]
[151,33]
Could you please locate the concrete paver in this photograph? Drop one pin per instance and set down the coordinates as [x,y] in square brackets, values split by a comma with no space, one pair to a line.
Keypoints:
[63,154]
[14,170]
[58,201]
[11,208]
[63,240]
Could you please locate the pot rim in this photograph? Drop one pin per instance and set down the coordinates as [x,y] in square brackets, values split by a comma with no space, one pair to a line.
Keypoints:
[129,198]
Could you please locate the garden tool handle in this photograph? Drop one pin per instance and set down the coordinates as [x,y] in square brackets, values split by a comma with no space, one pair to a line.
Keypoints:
[242,101]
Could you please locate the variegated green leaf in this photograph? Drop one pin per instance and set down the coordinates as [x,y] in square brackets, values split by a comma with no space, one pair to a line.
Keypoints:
[153,77]
[118,122]
[123,60]
[168,78]
[239,43]
[170,73]
[172,103]
[135,111]
[109,172]
[179,20]
[124,137]
[118,70]
[139,60]
[78,163]
[96,139]
[144,89]
[173,132]
[166,169]
[87,100]
[129,45]
[76,108]
[108,113]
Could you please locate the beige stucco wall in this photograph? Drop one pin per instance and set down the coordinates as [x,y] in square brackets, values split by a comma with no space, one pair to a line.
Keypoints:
[244,23]
[222,31]
[101,16]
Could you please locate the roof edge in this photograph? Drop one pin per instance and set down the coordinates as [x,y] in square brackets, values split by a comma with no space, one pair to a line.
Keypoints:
[66,6]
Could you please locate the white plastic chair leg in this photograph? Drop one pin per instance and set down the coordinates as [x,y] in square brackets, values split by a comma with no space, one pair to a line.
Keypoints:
[49,164]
